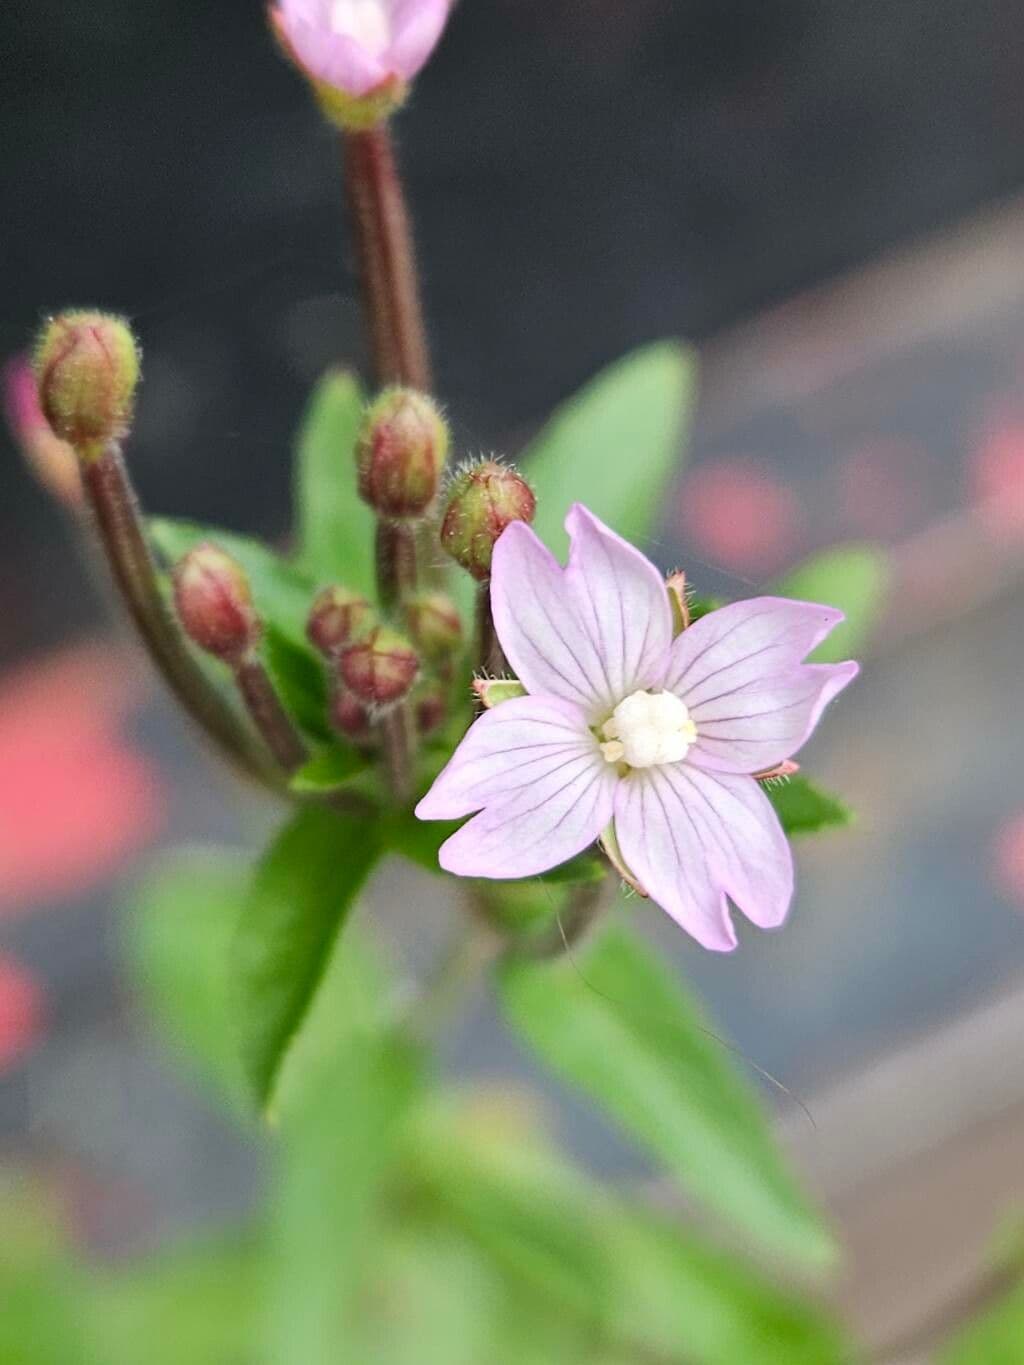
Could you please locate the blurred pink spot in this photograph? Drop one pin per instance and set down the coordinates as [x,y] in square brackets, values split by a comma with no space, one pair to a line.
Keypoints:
[22,1012]
[1007,864]
[996,475]
[738,515]
[75,798]
[884,486]
[52,461]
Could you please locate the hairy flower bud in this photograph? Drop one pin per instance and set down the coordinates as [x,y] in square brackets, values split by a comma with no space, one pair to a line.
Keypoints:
[337,617]
[434,624]
[380,669]
[349,717]
[214,603]
[402,447]
[87,369]
[482,502]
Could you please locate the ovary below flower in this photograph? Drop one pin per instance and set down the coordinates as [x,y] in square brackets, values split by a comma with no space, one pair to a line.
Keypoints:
[627,732]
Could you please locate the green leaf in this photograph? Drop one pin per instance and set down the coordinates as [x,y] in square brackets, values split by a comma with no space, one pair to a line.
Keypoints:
[335,528]
[804,808]
[994,1339]
[582,870]
[179,927]
[418,840]
[296,907]
[281,591]
[618,1026]
[328,770]
[40,1302]
[298,677]
[616,446]
[854,578]
[338,1146]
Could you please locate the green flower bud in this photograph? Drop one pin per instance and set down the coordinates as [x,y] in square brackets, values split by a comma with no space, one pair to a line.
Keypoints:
[483,501]
[380,669]
[87,370]
[336,618]
[214,603]
[401,450]
[434,624]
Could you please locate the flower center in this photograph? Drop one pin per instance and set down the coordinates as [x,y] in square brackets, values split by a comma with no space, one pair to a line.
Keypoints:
[646,729]
[365,21]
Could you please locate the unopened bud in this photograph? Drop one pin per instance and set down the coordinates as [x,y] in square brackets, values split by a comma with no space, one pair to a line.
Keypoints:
[336,618]
[483,501]
[434,624]
[87,369]
[349,717]
[51,460]
[402,447]
[214,603]
[431,710]
[379,669]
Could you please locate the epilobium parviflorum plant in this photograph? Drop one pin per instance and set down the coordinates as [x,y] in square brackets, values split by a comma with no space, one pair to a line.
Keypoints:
[562,734]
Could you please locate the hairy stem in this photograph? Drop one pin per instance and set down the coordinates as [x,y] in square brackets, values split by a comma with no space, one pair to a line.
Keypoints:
[119,524]
[397,570]
[490,658]
[268,715]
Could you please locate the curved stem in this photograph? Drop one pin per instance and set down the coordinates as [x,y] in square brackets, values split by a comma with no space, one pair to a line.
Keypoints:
[268,715]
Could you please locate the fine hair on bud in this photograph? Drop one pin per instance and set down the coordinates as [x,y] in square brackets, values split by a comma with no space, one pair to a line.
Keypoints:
[337,617]
[400,453]
[87,369]
[380,669]
[483,500]
[434,624]
[214,603]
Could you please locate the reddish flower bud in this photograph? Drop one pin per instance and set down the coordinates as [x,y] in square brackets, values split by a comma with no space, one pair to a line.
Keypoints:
[211,593]
[431,710]
[483,501]
[51,460]
[349,717]
[337,617]
[87,369]
[434,624]
[380,669]
[402,447]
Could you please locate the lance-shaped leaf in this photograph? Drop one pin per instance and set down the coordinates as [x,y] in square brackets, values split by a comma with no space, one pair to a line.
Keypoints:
[616,1023]
[298,903]
[804,808]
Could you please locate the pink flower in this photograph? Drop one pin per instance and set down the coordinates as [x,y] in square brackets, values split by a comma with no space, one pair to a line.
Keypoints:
[649,742]
[357,46]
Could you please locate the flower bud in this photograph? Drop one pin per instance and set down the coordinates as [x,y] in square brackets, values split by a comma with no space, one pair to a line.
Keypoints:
[483,501]
[336,618]
[380,669]
[434,624]
[431,710]
[51,460]
[214,603]
[349,717]
[87,369]
[401,450]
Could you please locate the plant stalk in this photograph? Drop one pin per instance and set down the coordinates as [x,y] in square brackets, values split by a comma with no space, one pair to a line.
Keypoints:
[268,715]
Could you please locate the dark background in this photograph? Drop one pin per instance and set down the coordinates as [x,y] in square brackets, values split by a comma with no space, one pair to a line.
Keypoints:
[586,175]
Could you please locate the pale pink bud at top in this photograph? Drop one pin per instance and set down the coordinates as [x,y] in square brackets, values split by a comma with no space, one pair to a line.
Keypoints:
[52,460]
[337,616]
[483,501]
[359,55]
[214,603]
[380,669]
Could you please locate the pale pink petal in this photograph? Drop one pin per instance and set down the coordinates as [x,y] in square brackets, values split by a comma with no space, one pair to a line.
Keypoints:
[416,26]
[739,671]
[591,633]
[694,838]
[333,59]
[537,768]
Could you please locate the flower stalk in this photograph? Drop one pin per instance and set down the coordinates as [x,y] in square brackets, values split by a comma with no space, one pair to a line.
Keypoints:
[268,715]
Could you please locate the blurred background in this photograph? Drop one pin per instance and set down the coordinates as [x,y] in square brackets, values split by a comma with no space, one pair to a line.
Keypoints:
[822,195]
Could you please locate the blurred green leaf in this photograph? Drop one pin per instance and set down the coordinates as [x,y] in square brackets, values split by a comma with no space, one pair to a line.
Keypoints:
[582,870]
[418,840]
[338,1144]
[335,528]
[804,808]
[616,446]
[298,677]
[995,1338]
[179,927]
[41,1305]
[281,591]
[328,770]
[854,578]
[294,912]
[617,1025]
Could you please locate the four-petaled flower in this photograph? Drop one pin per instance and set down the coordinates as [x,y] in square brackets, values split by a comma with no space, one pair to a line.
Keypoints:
[358,46]
[652,742]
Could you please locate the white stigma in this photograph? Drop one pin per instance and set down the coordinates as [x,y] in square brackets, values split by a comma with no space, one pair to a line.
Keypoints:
[646,729]
[365,21]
